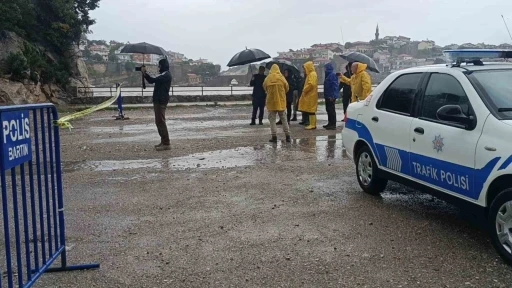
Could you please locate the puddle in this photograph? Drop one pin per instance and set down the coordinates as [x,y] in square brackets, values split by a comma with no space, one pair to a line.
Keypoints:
[185,134]
[322,148]
[173,124]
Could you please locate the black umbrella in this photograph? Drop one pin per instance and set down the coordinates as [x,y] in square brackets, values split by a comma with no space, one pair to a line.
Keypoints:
[143,48]
[283,65]
[247,56]
[361,58]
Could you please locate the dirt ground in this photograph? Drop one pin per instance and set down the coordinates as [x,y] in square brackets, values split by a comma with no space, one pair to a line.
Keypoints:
[224,208]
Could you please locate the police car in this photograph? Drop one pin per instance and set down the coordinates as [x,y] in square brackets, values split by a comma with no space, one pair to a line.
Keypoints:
[446,130]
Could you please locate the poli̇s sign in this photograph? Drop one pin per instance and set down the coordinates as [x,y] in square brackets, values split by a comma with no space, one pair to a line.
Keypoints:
[16,142]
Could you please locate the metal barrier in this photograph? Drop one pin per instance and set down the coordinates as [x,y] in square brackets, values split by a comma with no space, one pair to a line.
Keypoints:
[32,201]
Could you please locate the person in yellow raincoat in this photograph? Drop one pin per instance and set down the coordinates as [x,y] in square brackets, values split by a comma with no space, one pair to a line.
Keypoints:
[308,102]
[276,87]
[360,82]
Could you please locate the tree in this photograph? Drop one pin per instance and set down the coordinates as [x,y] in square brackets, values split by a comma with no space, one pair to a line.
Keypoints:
[97,57]
[87,53]
[113,58]
[348,45]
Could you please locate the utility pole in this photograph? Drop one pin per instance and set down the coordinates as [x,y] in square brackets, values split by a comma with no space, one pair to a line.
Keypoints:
[506,27]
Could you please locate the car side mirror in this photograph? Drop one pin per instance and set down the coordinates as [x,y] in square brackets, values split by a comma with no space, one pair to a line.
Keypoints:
[453,113]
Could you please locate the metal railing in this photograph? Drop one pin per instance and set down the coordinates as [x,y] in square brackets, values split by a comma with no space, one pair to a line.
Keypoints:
[32,195]
[175,91]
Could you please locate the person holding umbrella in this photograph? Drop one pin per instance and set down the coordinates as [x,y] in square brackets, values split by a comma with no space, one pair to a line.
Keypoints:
[360,82]
[308,102]
[276,87]
[160,100]
[347,90]
[258,95]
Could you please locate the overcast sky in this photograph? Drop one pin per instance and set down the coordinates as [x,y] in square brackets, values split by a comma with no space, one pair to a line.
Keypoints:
[217,29]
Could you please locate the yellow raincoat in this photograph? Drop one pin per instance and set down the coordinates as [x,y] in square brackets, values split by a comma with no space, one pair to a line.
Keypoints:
[276,87]
[308,101]
[361,83]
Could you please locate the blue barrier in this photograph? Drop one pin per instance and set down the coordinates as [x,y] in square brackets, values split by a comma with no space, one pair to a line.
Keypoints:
[28,131]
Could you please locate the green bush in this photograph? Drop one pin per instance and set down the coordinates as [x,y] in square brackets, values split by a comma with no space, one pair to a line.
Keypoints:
[17,65]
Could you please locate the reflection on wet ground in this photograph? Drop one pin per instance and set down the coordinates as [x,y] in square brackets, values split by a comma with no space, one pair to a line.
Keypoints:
[321,148]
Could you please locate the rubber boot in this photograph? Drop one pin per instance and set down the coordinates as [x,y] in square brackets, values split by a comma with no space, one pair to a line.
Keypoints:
[253,122]
[312,122]
[288,139]
[294,117]
[273,139]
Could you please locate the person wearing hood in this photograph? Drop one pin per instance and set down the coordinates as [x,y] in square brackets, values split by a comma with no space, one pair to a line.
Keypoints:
[258,95]
[160,100]
[308,102]
[331,93]
[360,82]
[347,90]
[276,87]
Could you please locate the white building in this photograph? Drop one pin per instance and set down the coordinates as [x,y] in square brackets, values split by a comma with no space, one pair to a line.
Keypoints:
[323,53]
[100,50]
[426,45]
[123,57]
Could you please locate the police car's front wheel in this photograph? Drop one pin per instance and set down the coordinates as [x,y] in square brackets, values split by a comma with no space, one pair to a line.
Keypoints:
[500,224]
[366,170]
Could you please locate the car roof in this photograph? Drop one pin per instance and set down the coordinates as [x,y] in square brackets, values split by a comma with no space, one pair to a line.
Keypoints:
[463,67]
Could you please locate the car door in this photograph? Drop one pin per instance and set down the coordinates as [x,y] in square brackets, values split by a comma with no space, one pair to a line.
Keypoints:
[390,120]
[443,153]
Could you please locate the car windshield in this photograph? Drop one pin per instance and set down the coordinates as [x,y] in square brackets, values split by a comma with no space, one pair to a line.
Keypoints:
[498,86]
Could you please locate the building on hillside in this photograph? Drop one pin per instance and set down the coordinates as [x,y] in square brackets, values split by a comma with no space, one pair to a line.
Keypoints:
[426,45]
[468,46]
[404,39]
[194,79]
[285,55]
[141,58]
[451,47]
[322,53]
[404,57]
[505,46]
[382,56]
[100,50]
[337,51]
[329,46]
[176,56]
[365,49]
[123,57]
[321,61]
[200,61]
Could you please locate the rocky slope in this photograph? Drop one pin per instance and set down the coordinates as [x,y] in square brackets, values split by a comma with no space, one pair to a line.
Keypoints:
[14,92]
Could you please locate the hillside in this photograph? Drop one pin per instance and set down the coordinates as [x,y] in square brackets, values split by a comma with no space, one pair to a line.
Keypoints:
[38,54]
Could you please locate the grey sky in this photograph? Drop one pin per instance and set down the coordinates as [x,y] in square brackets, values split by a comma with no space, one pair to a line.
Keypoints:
[217,29]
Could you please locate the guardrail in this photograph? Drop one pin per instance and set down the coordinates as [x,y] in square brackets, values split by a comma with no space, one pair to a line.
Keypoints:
[175,91]
[32,201]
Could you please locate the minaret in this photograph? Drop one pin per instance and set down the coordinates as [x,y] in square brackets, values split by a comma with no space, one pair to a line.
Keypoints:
[377,33]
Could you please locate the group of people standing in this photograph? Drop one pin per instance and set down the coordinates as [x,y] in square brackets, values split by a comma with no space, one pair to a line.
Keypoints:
[280,93]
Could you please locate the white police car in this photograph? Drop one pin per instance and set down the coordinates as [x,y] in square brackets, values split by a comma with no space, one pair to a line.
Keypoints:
[445,129]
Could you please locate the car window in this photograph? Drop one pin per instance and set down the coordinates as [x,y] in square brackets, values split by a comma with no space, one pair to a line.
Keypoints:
[498,87]
[443,89]
[399,96]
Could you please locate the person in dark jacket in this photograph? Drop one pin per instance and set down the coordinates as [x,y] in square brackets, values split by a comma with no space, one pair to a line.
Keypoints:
[305,117]
[347,90]
[258,95]
[160,100]
[331,93]
[288,75]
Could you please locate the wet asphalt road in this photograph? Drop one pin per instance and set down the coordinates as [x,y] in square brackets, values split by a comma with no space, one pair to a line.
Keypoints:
[226,209]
